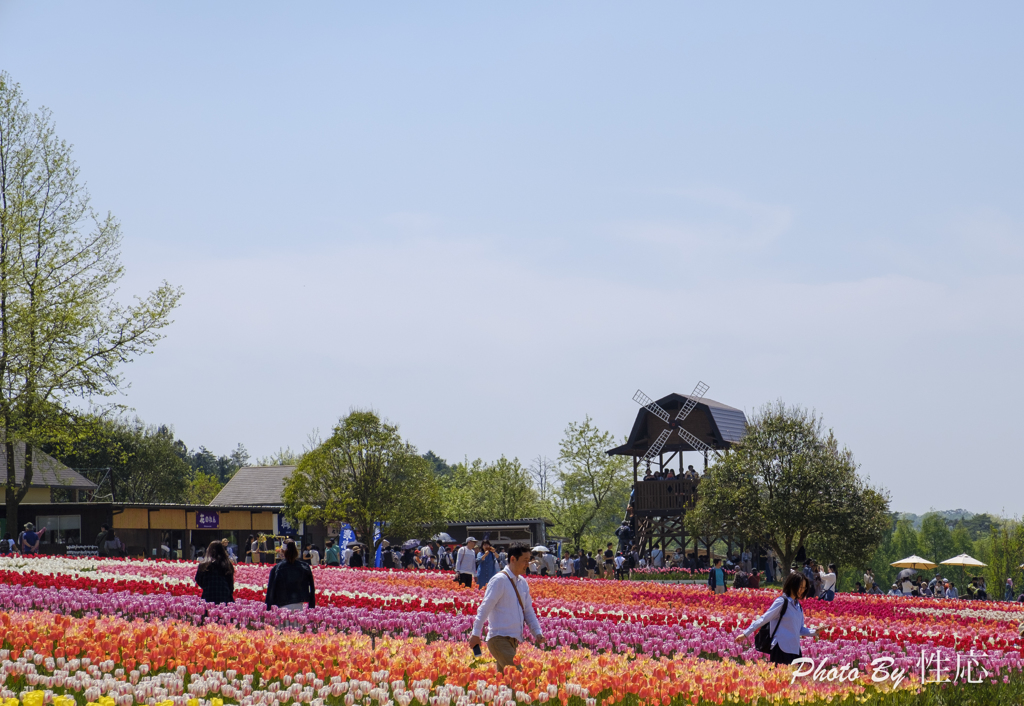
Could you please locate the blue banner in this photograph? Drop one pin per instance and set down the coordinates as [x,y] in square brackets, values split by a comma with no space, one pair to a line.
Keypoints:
[348,535]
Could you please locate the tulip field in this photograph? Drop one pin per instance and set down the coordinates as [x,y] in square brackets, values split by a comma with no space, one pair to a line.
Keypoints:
[114,632]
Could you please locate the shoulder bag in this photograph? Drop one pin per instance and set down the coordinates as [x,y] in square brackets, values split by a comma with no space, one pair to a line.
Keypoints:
[763,638]
[518,597]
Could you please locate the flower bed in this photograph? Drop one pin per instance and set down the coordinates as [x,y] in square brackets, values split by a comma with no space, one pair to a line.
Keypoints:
[143,626]
[649,573]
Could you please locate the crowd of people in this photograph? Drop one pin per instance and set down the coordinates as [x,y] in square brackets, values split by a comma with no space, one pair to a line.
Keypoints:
[908,584]
[27,542]
[670,474]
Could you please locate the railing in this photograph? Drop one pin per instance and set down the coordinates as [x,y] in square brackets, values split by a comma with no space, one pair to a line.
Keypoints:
[672,497]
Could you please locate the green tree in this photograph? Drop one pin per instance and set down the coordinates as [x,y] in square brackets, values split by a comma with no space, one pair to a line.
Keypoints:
[503,491]
[481,491]
[438,464]
[979,525]
[206,462]
[456,484]
[202,489]
[284,457]
[790,484]
[962,542]
[363,474]
[936,541]
[64,334]
[1002,550]
[905,540]
[592,489]
[142,460]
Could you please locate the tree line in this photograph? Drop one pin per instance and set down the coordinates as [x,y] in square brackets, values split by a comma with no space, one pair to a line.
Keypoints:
[366,473]
[135,462]
[996,541]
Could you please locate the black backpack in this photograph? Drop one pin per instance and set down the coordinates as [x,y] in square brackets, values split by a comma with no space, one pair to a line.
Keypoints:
[763,638]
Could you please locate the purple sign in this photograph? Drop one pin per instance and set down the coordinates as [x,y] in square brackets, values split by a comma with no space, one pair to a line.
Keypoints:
[207,520]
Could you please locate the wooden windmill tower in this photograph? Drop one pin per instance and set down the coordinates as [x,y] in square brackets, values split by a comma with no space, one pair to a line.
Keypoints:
[664,430]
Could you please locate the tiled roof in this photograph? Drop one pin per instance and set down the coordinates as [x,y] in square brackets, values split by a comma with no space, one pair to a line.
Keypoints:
[47,472]
[255,485]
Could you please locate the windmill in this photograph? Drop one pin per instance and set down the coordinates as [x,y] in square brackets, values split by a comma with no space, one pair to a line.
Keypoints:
[673,424]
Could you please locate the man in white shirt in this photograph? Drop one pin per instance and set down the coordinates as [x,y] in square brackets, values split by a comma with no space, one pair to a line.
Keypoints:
[745,560]
[465,563]
[549,562]
[346,555]
[505,608]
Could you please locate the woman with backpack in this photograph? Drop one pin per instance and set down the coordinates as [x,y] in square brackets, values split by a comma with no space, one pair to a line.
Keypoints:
[784,621]
[828,583]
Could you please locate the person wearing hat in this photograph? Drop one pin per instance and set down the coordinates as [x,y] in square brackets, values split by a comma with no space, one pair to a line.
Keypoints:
[387,557]
[28,542]
[465,563]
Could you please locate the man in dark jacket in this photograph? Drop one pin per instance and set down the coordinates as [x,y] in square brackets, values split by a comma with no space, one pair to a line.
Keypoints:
[291,582]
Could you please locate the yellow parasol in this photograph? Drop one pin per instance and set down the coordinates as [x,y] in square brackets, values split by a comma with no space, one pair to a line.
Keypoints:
[913,562]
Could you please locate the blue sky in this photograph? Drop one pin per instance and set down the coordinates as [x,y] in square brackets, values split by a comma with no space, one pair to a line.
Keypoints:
[487,222]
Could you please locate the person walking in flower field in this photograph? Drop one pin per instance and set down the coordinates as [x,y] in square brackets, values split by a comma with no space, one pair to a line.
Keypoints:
[216,575]
[291,582]
[785,619]
[506,607]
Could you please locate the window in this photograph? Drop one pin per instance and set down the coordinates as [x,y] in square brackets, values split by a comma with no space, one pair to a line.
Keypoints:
[60,529]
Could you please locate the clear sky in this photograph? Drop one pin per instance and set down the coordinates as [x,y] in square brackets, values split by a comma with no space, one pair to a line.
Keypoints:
[489,220]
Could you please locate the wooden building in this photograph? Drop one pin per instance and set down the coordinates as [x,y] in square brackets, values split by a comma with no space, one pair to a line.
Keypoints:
[659,506]
[52,482]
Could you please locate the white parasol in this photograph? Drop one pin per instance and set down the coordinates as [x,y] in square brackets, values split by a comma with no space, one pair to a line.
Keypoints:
[963,560]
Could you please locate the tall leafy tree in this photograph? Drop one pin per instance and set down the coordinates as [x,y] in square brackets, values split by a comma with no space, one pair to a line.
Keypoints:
[905,540]
[202,489]
[363,474]
[501,490]
[593,488]
[962,541]
[142,460]
[935,539]
[790,484]
[64,334]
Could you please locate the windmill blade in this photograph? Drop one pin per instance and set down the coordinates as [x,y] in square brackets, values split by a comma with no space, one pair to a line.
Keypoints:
[651,406]
[691,401]
[655,448]
[693,441]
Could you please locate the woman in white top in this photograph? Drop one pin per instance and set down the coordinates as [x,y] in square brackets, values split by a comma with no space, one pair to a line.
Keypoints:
[786,628]
[828,583]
